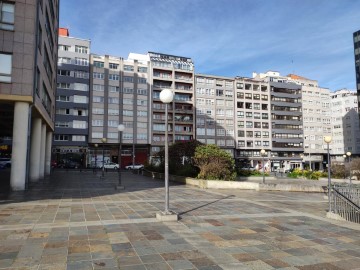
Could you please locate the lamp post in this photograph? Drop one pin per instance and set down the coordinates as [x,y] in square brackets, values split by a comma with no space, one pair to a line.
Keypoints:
[263,152]
[349,155]
[166,96]
[327,140]
[301,162]
[96,145]
[103,140]
[120,128]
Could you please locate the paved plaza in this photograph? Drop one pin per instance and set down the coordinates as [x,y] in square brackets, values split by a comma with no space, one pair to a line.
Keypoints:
[77,220]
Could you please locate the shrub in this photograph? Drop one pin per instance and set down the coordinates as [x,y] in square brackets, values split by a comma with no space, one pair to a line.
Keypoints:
[338,171]
[214,163]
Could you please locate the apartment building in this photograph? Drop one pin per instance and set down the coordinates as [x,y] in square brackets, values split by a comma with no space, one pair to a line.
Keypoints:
[356,39]
[72,100]
[119,94]
[215,111]
[253,123]
[345,123]
[286,120]
[316,121]
[175,73]
[28,52]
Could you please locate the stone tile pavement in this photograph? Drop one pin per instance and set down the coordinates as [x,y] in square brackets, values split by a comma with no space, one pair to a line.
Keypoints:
[76,220]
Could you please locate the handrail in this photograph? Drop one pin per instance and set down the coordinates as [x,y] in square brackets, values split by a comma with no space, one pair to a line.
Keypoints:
[345,202]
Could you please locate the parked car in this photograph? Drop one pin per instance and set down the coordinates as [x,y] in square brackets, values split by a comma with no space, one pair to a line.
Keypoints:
[5,162]
[111,165]
[134,167]
[248,168]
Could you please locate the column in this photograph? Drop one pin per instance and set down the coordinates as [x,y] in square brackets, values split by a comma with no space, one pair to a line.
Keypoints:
[19,146]
[35,150]
[49,136]
[42,151]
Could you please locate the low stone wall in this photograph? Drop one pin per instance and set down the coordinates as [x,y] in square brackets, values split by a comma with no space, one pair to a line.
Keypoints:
[245,185]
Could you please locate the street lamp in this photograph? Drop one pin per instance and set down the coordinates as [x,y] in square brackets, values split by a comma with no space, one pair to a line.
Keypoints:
[301,162]
[263,152]
[327,140]
[103,140]
[120,128]
[349,154]
[166,96]
[96,145]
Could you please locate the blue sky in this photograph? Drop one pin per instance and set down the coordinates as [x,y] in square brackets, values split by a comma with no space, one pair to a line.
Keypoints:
[311,38]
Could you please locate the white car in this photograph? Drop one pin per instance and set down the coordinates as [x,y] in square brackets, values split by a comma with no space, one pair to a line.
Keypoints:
[134,167]
[111,165]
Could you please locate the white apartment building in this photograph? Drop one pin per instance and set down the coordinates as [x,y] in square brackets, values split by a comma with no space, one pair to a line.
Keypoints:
[316,121]
[215,111]
[345,123]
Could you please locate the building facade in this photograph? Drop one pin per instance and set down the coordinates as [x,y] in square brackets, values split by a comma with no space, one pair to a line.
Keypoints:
[119,94]
[28,53]
[175,73]
[316,121]
[356,39]
[72,101]
[215,111]
[253,123]
[345,124]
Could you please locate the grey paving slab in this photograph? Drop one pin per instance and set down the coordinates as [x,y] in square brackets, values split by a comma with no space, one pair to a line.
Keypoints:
[75,220]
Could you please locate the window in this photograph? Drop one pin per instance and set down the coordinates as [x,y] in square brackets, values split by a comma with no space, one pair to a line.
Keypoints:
[128,68]
[6,16]
[97,75]
[79,124]
[59,137]
[80,99]
[64,47]
[98,111]
[113,100]
[62,124]
[5,67]
[113,123]
[142,92]
[142,69]
[128,90]
[78,138]
[63,98]
[128,79]
[141,102]
[141,80]
[81,49]
[81,61]
[97,123]
[128,101]
[114,77]
[64,60]
[113,66]
[81,87]
[98,64]
[113,111]
[141,136]
[98,99]
[142,113]
[63,111]
[128,113]
[114,89]
[62,72]
[98,87]
[141,125]
[97,135]
[81,74]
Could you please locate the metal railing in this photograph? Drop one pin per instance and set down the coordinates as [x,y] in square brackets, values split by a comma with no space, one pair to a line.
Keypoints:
[345,202]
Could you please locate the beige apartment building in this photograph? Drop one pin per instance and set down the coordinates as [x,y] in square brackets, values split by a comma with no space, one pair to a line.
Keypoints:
[316,121]
[215,111]
[253,123]
[119,94]
[177,74]
[28,53]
